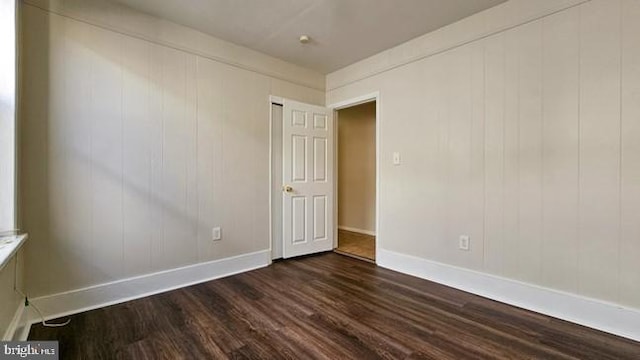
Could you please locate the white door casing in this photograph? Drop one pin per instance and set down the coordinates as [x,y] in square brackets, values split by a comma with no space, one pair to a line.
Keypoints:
[307,150]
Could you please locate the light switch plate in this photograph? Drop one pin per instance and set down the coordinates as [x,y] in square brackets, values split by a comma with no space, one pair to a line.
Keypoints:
[216,234]
[464,242]
[396,158]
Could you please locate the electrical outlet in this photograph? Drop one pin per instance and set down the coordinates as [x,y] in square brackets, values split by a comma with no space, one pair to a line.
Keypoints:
[464,242]
[216,234]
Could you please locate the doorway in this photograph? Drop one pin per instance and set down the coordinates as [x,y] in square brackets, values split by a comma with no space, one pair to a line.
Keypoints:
[303,131]
[356,180]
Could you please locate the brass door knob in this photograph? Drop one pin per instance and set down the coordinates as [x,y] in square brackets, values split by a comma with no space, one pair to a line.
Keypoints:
[287,188]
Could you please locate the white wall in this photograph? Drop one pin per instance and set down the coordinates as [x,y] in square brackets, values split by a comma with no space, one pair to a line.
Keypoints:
[523,137]
[357,168]
[135,147]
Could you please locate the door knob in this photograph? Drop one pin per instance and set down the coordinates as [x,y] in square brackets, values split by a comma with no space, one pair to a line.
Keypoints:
[287,188]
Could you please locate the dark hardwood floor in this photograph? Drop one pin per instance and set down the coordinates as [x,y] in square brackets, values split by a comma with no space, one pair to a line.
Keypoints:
[327,307]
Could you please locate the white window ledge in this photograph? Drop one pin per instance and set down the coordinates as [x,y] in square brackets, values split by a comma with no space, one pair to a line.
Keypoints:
[9,246]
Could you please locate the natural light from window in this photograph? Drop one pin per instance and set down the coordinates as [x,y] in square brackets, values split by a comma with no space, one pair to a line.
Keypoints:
[7,114]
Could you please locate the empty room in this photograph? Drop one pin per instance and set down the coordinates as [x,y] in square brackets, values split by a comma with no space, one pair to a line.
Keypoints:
[320,179]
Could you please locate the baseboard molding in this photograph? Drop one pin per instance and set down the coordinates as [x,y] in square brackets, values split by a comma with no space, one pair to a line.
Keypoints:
[600,315]
[24,326]
[356,230]
[80,300]
[12,329]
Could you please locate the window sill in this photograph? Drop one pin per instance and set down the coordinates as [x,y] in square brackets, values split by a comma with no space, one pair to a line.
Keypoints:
[9,246]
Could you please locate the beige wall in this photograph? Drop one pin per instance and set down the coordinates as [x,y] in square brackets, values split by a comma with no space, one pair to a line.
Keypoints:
[527,140]
[357,167]
[111,15]
[133,148]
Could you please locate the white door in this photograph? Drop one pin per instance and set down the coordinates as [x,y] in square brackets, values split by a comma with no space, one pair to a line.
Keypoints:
[307,168]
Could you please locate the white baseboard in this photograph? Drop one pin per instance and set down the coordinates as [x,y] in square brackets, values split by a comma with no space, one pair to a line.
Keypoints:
[24,326]
[93,297]
[604,316]
[356,230]
[12,329]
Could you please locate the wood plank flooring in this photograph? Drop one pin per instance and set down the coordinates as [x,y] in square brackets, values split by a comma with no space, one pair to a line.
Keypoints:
[325,307]
[356,244]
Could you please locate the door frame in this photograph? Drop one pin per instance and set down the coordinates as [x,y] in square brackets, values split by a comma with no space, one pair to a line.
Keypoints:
[278,101]
[335,107]
[374,96]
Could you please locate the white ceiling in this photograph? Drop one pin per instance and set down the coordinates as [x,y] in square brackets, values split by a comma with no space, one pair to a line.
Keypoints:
[342,31]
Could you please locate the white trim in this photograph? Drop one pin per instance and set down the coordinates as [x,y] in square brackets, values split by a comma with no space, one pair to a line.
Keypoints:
[356,230]
[374,96]
[94,297]
[14,243]
[24,326]
[272,100]
[276,100]
[604,316]
[356,101]
[11,331]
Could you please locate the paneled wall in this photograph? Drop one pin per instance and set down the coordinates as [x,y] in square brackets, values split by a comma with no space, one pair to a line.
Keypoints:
[132,151]
[526,140]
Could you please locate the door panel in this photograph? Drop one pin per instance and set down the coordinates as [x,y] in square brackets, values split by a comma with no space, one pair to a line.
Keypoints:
[308,179]
[299,158]
[320,159]
[320,217]
[298,219]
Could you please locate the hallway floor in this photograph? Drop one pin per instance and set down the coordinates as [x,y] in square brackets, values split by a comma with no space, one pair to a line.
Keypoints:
[356,244]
